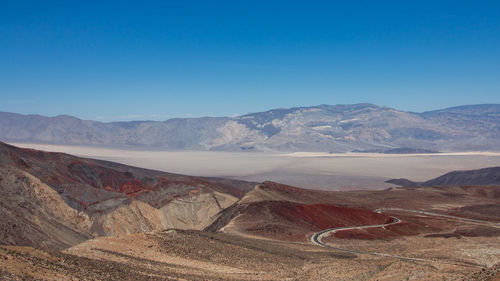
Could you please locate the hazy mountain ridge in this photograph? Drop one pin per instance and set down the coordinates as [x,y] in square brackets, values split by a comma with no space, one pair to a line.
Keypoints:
[336,128]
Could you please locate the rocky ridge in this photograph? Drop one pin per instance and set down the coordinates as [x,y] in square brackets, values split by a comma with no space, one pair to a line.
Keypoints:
[55,200]
[326,128]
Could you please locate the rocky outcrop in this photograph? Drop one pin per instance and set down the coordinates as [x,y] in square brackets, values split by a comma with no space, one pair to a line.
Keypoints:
[54,200]
[277,211]
[34,214]
[195,212]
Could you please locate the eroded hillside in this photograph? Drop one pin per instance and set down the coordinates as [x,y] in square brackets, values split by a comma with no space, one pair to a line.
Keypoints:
[58,200]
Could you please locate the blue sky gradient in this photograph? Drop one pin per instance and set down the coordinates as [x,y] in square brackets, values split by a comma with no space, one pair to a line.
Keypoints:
[157,60]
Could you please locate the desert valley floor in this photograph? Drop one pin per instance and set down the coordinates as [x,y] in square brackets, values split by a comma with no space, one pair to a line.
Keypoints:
[343,171]
[72,218]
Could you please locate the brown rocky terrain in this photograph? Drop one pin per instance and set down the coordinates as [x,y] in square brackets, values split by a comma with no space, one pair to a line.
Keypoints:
[272,210]
[70,218]
[55,200]
[194,255]
[35,214]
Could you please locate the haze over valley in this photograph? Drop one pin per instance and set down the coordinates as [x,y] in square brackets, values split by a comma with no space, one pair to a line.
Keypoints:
[310,170]
[250,140]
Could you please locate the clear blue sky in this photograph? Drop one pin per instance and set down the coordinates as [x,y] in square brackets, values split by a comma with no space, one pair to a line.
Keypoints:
[156,60]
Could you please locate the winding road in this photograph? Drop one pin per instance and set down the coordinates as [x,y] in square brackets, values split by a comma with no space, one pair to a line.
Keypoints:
[316,238]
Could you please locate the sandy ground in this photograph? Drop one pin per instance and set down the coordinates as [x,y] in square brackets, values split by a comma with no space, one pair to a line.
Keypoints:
[305,169]
[190,255]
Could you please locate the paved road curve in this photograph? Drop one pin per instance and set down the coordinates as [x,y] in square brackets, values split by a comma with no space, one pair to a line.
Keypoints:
[316,238]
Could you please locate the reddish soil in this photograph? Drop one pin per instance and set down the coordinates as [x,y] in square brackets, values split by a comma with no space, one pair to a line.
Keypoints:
[476,231]
[361,234]
[86,182]
[389,232]
[293,222]
[295,219]
[284,212]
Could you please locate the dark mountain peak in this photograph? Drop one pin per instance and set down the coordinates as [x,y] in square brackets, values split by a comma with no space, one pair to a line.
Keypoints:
[486,176]
[479,177]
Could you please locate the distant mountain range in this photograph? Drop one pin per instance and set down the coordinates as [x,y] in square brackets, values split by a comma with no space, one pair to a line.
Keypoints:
[327,128]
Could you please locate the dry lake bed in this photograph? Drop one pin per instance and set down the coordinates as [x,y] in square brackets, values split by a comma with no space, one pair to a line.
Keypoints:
[312,170]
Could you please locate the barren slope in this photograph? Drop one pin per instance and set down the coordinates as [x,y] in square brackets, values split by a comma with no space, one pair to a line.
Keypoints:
[276,211]
[34,214]
[194,255]
[57,200]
